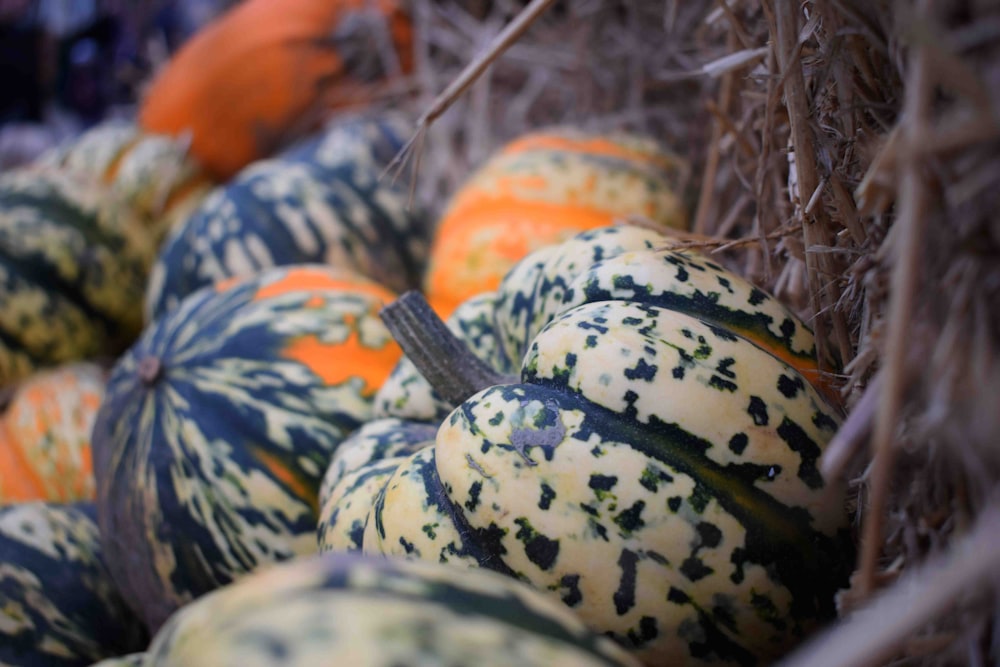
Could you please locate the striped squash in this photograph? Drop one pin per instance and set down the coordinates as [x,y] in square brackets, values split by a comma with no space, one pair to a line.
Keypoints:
[149,178]
[45,435]
[58,604]
[540,189]
[71,281]
[362,464]
[655,472]
[320,202]
[346,610]
[219,423]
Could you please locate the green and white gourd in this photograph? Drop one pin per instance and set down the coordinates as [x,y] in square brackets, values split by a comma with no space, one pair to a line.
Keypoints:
[361,466]
[343,609]
[71,282]
[656,473]
[321,202]
[58,604]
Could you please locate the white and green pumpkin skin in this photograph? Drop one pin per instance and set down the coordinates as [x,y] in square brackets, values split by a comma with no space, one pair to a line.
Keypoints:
[58,604]
[342,609]
[358,470]
[210,466]
[655,473]
[323,201]
[407,394]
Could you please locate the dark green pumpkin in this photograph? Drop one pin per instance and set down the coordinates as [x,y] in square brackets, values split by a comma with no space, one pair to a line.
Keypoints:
[324,201]
[342,609]
[58,605]
[218,424]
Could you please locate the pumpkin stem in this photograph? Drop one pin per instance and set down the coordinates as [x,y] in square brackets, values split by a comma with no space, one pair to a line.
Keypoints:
[440,356]
[149,369]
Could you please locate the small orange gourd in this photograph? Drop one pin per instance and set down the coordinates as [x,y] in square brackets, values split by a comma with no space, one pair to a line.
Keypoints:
[263,73]
[540,189]
[45,435]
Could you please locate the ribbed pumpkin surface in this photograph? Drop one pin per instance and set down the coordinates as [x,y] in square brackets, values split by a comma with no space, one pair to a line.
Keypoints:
[542,189]
[58,605]
[264,72]
[359,469]
[657,473]
[71,282]
[322,202]
[348,610]
[220,421]
[45,435]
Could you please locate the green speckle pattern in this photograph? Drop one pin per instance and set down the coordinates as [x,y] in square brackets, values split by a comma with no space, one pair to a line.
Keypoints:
[532,292]
[58,604]
[362,465]
[372,612]
[660,506]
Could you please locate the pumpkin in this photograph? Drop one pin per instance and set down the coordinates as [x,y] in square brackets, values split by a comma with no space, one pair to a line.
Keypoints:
[636,264]
[362,464]
[71,281]
[219,422]
[655,472]
[45,435]
[58,604]
[346,610]
[406,394]
[320,202]
[541,189]
[264,72]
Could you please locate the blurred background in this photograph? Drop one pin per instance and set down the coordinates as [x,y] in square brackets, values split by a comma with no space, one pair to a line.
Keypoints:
[65,65]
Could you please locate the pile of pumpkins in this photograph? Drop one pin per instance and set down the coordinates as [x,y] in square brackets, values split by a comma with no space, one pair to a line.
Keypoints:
[265,410]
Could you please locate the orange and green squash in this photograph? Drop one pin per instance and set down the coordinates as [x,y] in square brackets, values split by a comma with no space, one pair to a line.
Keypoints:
[541,189]
[264,73]
[45,435]
[220,421]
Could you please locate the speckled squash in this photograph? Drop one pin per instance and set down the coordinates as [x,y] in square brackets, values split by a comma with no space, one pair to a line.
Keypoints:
[541,189]
[656,473]
[219,423]
[346,610]
[406,394]
[321,202]
[71,282]
[632,264]
[45,435]
[361,465]
[58,604]
[263,72]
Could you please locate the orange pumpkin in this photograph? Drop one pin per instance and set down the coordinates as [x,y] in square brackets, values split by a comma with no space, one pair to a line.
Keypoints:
[45,435]
[262,74]
[541,189]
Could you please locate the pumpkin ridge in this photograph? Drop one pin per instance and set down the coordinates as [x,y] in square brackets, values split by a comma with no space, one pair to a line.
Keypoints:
[773,529]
